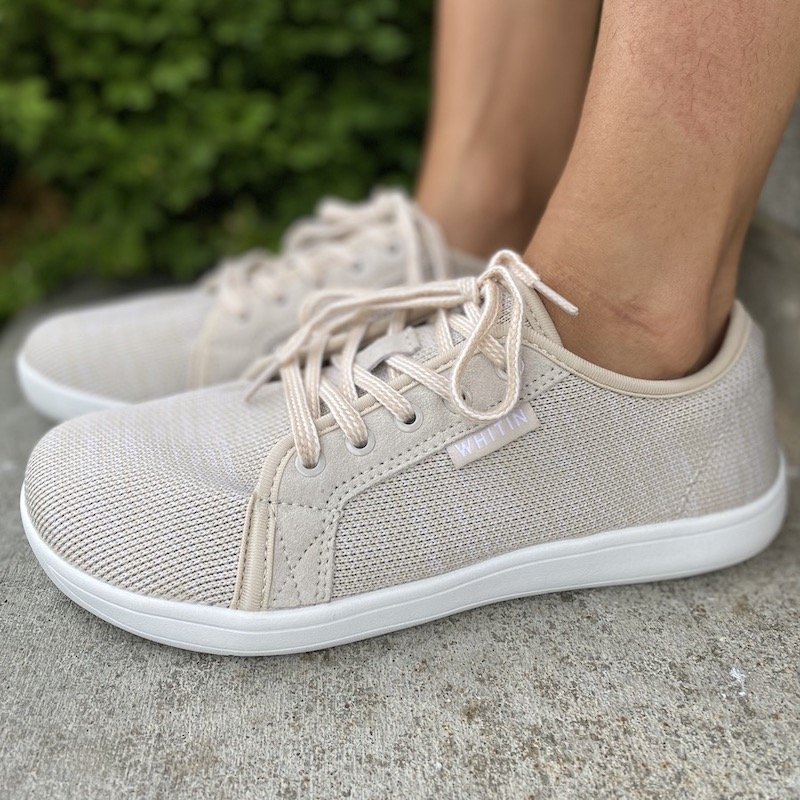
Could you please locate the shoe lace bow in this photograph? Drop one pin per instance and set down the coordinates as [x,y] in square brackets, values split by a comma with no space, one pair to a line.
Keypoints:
[335,327]
[324,244]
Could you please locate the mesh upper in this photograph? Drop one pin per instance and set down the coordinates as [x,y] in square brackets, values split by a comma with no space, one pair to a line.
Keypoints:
[129,350]
[152,498]
[600,461]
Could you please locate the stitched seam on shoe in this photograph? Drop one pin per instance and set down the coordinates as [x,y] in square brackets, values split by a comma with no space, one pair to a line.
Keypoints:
[542,383]
[289,504]
[302,555]
[244,549]
[291,564]
[747,405]
[282,541]
[266,580]
[290,576]
[320,560]
[324,559]
[536,387]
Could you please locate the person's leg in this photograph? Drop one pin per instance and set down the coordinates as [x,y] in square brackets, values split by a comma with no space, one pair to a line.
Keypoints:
[683,113]
[510,77]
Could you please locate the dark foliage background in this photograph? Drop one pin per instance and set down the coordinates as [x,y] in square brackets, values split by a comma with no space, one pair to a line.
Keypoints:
[143,137]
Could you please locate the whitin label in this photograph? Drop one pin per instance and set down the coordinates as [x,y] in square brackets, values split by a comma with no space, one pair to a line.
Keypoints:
[519,421]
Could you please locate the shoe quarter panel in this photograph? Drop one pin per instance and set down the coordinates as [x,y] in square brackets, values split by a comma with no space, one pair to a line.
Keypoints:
[741,459]
[305,511]
[600,460]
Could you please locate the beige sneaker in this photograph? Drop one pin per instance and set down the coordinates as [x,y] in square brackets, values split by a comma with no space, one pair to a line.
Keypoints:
[465,460]
[170,341]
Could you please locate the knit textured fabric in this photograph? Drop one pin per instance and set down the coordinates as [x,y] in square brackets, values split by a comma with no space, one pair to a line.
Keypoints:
[130,349]
[153,497]
[599,461]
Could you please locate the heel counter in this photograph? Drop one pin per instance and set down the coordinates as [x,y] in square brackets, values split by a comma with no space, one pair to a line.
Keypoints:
[743,459]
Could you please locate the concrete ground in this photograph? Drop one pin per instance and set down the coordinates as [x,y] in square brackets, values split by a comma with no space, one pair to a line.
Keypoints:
[681,689]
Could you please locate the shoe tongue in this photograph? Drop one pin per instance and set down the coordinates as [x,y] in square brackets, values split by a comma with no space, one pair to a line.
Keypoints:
[437,259]
[536,320]
[420,342]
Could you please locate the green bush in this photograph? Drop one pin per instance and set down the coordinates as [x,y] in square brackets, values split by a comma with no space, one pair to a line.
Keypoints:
[142,137]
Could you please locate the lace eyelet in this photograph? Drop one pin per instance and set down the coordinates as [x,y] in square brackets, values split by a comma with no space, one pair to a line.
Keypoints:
[366,448]
[466,396]
[415,422]
[309,472]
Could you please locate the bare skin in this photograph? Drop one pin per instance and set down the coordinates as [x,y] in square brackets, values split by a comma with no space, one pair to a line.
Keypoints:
[684,110]
[510,78]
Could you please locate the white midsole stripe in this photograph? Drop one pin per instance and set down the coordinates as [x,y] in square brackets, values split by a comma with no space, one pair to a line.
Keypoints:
[55,400]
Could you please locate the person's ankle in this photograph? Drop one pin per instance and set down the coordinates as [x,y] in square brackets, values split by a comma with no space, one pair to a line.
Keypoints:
[481,209]
[649,344]
[656,332]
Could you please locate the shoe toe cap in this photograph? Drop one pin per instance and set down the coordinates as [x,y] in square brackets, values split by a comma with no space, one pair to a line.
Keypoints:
[152,498]
[126,351]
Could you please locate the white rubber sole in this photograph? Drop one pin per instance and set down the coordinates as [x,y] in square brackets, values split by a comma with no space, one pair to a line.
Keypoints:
[56,401]
[632,555]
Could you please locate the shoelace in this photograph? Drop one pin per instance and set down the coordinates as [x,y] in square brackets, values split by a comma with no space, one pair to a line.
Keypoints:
[324,243]
[468,307]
